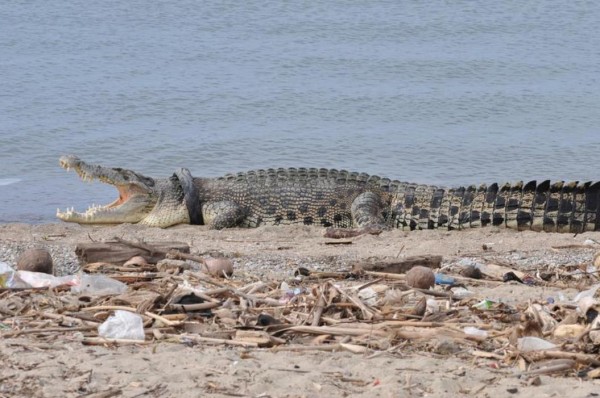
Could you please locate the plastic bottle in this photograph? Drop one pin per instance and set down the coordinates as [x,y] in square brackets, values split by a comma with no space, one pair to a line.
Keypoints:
[442,279]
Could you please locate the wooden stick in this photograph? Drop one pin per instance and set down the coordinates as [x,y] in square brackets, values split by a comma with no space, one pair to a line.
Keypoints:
[177,255]
[299,348]
[103,341]
[200,339]
[334,331]
[47,330]
[61,317]
[319,307]
[367,313]
[113,392]
[582,358]
[558,365]
[109,308]
[196,307]
[162,319]
[387,275]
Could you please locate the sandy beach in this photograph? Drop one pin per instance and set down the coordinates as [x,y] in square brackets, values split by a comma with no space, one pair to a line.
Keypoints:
[58,364]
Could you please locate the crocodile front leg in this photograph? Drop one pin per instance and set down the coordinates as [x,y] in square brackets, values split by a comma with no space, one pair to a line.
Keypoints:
[223,214]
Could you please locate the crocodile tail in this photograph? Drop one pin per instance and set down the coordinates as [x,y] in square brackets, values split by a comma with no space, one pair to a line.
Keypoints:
[559,207]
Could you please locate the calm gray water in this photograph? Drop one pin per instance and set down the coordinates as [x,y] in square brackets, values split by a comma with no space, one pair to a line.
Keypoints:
[438,92]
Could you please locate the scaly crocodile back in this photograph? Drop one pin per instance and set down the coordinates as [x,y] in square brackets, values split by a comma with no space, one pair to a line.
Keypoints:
[307,196]
[324,197]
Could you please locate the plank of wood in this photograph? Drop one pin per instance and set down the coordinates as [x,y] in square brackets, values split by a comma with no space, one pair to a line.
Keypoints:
[399,266]
[118,252]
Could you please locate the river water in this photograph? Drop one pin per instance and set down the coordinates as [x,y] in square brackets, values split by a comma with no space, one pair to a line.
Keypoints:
[434,92]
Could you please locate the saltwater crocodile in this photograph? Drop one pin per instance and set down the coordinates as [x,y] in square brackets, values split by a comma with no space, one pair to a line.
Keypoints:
[333,198]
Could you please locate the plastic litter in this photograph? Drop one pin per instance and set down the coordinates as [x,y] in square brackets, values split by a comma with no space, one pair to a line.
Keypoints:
[4,268]
[9,278]
[40,279]
[432,306]
[585,303]
[123,325]
[443,279]
[98,285]
[368,296]
[473,331]
[288,292]
[461,293]
[587,293]
[531,343]
[484,305]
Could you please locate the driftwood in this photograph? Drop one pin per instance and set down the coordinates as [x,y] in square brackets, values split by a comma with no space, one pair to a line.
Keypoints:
[119,252]
[399,266]
[339,233]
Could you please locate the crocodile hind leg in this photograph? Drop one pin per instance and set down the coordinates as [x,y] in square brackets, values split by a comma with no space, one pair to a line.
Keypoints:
[223,214]
[367,215]
[367,210]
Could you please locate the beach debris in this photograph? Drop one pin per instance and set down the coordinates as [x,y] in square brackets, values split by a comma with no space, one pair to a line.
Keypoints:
[484,305]
[595,330]
[220,267]
[123,325]
[362,310]
[531,343]
[136,261]
[420,277]
[118,251]
[471,271]
[35,260]
[510,276]
[443,279]
[568,331]
[9,278]
[343,233]
[398,266]
[40,279]
[98,285]
[473,331]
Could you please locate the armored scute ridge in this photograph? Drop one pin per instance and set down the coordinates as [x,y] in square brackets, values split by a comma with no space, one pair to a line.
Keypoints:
[332,198]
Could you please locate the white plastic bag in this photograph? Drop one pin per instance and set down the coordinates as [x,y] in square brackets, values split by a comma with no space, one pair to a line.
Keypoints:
[473,331]
[10,278]
[40,279]
[530,343]
[123,325]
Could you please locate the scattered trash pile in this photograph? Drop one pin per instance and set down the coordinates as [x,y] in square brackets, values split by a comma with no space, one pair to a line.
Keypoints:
[163,294]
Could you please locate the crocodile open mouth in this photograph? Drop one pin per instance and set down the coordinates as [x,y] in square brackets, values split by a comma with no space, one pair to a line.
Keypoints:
[135,195]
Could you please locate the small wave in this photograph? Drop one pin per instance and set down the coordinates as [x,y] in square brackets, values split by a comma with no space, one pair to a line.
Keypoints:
[8,181]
